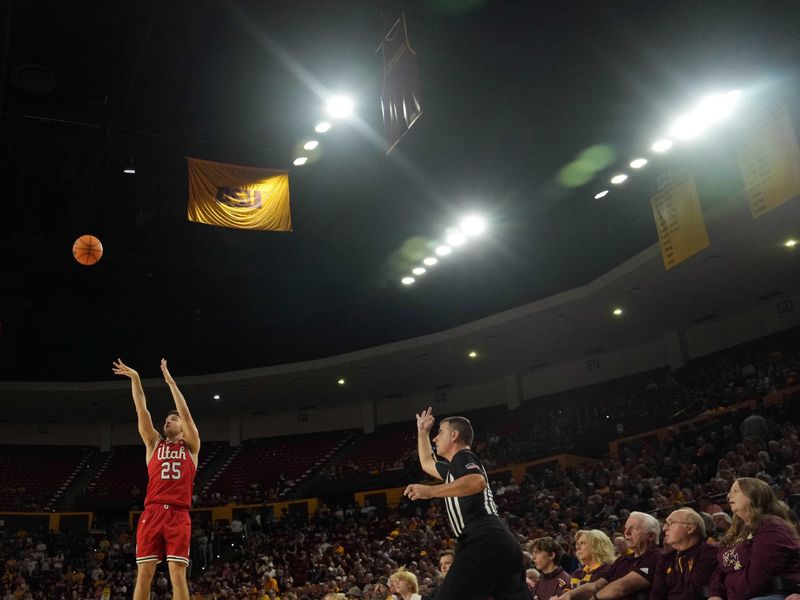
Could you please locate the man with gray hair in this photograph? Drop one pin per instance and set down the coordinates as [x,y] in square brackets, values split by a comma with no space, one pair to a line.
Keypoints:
[632,573]
[682,572]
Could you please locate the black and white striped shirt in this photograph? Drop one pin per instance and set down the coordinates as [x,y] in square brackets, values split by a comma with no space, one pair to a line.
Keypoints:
[464,509]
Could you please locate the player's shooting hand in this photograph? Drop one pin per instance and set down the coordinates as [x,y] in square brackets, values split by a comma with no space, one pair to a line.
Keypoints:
[120,368]
[417,491]
[425,421]
[165,371]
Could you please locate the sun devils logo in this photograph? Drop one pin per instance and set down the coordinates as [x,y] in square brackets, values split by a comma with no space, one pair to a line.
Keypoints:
[239,197]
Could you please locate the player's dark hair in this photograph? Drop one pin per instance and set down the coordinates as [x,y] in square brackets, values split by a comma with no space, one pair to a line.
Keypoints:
[464,428]
[172,412]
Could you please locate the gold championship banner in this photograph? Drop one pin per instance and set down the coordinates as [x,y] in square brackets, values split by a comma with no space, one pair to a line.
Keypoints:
[238,197]
[769,158]
[679,220]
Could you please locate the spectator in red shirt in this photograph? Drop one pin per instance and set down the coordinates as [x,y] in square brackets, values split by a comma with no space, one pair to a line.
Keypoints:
[760,545]
[682,572]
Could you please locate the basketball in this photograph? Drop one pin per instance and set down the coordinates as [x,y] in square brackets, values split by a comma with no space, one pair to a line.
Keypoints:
[87,250]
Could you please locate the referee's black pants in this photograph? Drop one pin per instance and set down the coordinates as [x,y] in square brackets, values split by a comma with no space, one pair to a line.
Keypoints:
[488,563]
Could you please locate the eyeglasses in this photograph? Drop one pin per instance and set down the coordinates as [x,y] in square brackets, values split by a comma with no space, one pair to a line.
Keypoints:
[671,523]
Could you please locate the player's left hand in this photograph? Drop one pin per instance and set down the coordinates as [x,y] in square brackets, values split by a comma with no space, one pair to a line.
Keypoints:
[165,371]
[417,491]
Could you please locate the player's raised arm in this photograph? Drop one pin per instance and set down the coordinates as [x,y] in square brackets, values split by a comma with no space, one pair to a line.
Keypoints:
[190,433]
[426,459]
[149,434]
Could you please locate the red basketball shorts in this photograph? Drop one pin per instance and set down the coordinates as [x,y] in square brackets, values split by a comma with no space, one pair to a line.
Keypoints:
[163,532]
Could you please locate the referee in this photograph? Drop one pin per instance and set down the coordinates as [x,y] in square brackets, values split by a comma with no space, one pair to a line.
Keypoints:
[488,561]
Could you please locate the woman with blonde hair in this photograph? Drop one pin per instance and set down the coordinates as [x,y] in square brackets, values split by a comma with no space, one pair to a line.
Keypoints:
[594,550]
[760,545]
[404,585]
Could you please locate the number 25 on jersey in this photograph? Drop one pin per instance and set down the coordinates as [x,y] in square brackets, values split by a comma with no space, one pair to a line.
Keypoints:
[170,470]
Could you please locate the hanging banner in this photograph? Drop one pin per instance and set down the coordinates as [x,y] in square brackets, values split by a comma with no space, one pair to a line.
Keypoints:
[400,102]
[679,219]
[769,158]
[239,197]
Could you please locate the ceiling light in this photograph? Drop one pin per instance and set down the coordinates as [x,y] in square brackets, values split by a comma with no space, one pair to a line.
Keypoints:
[443,250]
[216,396]
[407,280]
[310,145]
[472,225]
[430,261]
[473,354]
[418,270]
[662,145]
[602,194]
[129,168]
[617,179]
[341,381]
[340,107]
[300,161]
[790,243]
[455,238]
[617,311]
[638,163]
[323,127]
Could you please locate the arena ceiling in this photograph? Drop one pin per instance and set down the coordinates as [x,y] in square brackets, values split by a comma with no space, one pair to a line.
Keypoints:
[512,91]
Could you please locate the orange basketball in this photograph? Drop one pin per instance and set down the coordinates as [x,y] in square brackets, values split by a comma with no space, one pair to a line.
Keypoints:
[87,250]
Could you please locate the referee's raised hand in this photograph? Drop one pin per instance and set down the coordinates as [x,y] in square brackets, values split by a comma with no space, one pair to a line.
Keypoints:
[425,421]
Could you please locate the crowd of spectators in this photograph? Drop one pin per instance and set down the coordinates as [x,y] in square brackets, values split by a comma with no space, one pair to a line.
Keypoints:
[354,550]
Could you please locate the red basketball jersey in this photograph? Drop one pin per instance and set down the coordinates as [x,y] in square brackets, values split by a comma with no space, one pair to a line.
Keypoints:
[171,472]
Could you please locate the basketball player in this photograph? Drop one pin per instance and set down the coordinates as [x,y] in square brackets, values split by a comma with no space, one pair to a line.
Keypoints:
[488,560]
[165,529]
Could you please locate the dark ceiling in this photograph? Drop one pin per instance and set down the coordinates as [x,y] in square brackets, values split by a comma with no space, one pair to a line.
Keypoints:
[512,91]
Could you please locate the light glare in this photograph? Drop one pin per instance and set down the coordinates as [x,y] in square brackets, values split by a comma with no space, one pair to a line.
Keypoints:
[419,270]
[430,261]
[407,280]
[662,145]
[473,354]
[790,243]
[310,145]
[323,127]
[300,161]
[454,238]
[638,163]
[472,225]
[617,311]
[341,381]
[443,250]
[617,179]
[216,396]
[602,194]
[340,107]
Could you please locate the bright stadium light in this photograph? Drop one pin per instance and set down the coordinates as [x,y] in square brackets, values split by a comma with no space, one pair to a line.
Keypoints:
[341,381]
[790,243]
[472,225]
[323,127]
[617,179]
[602,194]
[617,312]
[310,145]
[710,110]
[455,238]
[638,163]
[419,270]
[300,161]
[407,280]
[430,261]
[216,396]
[662,145]
[473,354]
[340,107]
[443,250]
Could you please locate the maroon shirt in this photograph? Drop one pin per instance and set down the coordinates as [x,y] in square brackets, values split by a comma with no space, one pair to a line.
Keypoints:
[746,569]
[644,565]
[550,584]
[682,575]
